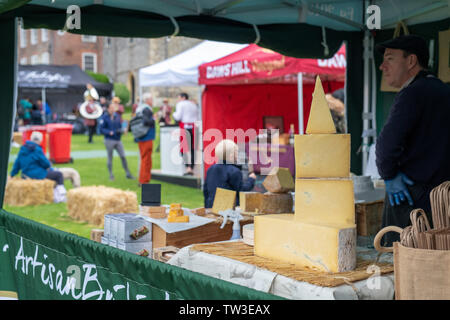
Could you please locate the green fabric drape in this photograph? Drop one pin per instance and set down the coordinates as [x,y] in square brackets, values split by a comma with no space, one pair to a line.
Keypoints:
[36,261]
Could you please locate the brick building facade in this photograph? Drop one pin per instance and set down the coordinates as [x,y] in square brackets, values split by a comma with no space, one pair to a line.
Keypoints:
[42,46]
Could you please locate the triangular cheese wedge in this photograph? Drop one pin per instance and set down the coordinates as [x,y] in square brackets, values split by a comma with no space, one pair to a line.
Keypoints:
[320,119]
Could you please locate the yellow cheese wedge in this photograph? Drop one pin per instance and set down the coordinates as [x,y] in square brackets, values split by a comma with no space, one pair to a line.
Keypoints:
[320,119]
[178,219]
[279,180]
[322,155]
[325,201]
[326,248]
[250,201]
[223,200]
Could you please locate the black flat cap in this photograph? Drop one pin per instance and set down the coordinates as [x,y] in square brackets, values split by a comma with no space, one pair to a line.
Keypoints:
[410,43]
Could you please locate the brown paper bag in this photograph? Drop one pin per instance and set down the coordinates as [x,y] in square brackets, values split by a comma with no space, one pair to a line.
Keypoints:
[384,87]
[421,274]
[444,56]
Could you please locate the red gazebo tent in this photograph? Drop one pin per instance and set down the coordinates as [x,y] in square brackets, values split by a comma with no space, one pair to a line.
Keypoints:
[254,82]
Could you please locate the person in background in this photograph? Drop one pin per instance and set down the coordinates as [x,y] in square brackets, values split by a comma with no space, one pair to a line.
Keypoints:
[165,112]
[36,115]
[225,173]
[104,104]
[33,163]
[145,143]
[90,123]
[26,106]
[134,107]
[111,128]
[412,149]
[48,112]
[337,109]
[90,91]
[187,113]
[119,107]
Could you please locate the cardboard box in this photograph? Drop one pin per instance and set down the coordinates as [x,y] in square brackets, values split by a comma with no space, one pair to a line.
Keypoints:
[132,228]
[107,225]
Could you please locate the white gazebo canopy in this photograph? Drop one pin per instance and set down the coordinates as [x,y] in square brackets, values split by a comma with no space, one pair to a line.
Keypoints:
[182,69]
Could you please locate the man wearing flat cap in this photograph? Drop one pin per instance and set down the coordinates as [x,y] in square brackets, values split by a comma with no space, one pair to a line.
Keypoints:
[413,148]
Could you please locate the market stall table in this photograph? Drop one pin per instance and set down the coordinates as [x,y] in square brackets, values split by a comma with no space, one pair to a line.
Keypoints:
[234,261]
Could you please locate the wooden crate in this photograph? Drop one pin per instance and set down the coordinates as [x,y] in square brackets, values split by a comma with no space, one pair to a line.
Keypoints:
[368,217]
[210,232]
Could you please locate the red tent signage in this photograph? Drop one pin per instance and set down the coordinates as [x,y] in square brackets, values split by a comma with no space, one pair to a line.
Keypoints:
[254,64]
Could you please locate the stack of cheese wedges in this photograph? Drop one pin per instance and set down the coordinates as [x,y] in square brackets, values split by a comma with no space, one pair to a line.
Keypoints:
[321,234]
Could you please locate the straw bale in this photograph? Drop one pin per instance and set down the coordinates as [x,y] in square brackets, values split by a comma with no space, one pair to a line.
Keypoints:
[90,204]
[28,192]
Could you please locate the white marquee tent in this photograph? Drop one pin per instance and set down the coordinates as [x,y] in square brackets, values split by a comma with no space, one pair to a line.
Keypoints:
[182,69]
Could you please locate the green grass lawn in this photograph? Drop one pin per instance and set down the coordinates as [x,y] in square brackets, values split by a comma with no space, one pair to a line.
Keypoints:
[94,172]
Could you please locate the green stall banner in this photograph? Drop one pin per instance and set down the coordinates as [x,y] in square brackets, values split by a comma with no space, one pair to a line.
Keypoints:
[39,262]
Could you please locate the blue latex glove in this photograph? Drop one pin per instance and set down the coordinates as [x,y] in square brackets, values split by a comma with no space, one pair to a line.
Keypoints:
[397,190]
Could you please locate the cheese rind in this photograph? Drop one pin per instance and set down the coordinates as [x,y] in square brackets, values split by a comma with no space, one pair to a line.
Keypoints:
[322,155]
[276,203]
[224,199]
[250,201]
[325,201]
[325,248]
[279,181]
[320,119]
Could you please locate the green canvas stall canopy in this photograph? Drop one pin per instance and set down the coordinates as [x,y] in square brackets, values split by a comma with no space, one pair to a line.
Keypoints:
[297,28]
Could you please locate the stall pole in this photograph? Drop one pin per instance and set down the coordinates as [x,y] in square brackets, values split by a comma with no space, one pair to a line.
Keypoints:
[300,102]
[366,90]
[43,99]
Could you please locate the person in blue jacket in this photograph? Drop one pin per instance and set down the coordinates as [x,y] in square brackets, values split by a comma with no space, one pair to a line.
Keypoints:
[33,163]
[111,128]
[413,148]
[225,174]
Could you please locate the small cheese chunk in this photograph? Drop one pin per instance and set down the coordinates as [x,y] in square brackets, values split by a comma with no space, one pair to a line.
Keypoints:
[178,219]
[279,181]
[223,200]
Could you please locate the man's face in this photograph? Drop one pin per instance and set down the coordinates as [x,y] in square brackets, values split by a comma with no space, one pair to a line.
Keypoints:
[395,67]
[149,101]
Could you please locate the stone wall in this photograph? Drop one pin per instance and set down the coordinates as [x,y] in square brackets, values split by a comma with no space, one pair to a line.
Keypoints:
[123,57]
